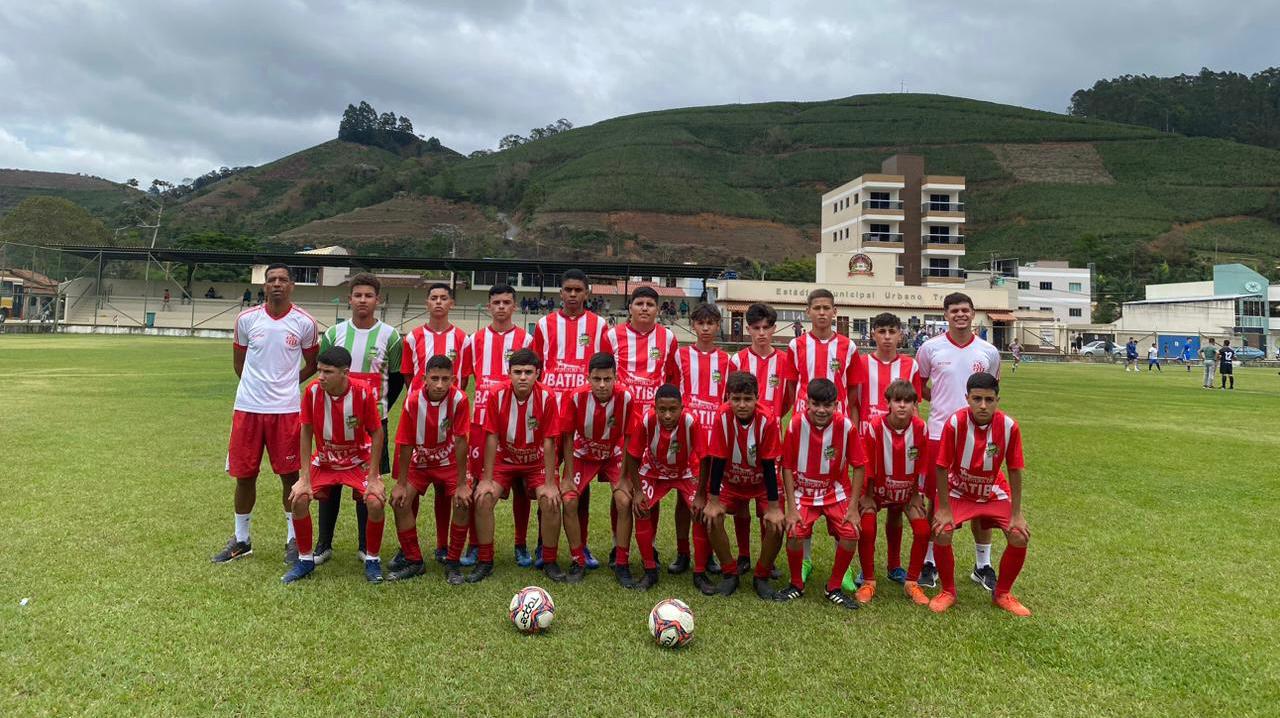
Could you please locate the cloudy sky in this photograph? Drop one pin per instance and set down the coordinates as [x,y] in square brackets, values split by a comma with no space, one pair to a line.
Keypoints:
[173,89]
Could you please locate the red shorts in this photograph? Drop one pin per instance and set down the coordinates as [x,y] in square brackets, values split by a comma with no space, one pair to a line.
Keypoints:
[988,514]
[654,489]
[584,470]
[444,478]
[835,514]
[737,499]
[530,476]
[279,434]
[324,479]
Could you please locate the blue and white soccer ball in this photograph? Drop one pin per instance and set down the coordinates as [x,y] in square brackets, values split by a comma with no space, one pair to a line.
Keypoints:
[532,610]
[671,623]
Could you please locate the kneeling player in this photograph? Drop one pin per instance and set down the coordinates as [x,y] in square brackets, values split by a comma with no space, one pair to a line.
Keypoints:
[431,450]
[521,423]
[343,417]
[897,448]
[971,487]
[821,446]
[745,447]
[594,419]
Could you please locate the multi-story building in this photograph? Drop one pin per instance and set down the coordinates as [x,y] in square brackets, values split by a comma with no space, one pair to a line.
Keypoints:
[902,218]
[1054,286]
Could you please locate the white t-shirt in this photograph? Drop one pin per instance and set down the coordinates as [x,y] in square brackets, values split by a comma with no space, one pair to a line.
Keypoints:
[1151,353]
[949,366]
[273,357]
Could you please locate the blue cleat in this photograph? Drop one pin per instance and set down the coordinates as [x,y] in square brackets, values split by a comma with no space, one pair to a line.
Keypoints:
[898,575]
[300,570]
[592,563]
[373,570]
[523,559]
[537,557]
[469,557]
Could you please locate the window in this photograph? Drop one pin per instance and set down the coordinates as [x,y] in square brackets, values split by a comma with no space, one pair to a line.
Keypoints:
[846,232]
[879,200]
[855,198]
[859,327]
[1024,309]
[937,230]
[1024,285]
[1074,287]
[939,263]
[1046,309]
[1046,286]
[1074,312]
[835,235]
[879,229]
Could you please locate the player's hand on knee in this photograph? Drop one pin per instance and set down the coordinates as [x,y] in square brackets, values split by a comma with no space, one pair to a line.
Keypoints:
[400,496]
[462,496]
[774,519]
[915,508]
[1019,531]
[942,526]
[550,495]
[712,512]
[300,492]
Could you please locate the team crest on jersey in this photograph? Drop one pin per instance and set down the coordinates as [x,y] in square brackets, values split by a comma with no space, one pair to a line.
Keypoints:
[506,355]
[675,446]
[353,422]
[533,423]
[654,353]
[829,453]
[834,365]
[751,452]
[978,366]
[913,453]
[715,376]
[583,340]
[444,423]
[452,354]
[773,380]
[291,340]
[608,422]
[991,450]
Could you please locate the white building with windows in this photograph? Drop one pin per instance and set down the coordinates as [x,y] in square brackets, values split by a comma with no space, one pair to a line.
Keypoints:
[1053,286]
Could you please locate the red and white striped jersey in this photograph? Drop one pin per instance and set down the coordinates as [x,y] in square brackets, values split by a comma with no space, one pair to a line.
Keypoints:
[773,373]
[668,454]
[422,343]
[521,426]
[645,361]
[702,381]
[484,356]
[874,376]
[897,461]
[745,446]
[429,428]
[814,358]
[821,458]
[565,345]
[342,425]
[597,427]
[973,454]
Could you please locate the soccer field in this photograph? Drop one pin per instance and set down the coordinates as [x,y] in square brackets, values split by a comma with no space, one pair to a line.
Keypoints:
[1148,500]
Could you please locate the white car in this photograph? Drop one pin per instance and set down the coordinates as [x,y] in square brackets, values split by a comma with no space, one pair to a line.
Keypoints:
[1099,348]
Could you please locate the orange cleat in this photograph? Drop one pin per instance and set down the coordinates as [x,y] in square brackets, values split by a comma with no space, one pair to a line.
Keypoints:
[941,602]
[915,593]
[866,592]
[1010,603]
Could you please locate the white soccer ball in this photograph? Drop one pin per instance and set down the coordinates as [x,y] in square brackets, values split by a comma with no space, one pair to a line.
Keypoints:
[671,623]
[532,610]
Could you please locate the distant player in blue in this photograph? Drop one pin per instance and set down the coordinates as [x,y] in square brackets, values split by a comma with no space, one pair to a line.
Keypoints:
[1131,355]
[1187,356]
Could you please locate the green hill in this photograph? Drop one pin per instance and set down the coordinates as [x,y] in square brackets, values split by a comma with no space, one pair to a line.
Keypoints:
[95,194]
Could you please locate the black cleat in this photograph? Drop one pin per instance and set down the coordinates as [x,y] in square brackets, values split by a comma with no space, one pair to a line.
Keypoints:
[728,584]
[840,598]
[442,556]
[482,571]
[713,565]
[788,594]
[703,584]
[623,574]
[576,573]
[398,561]
[453,575]
[553,571]
[649,581]
[744,565]
[764,590]
[613,557]
[774,573]
[928,576]
[680,565]
[984,577]
[233,550]
[410,569]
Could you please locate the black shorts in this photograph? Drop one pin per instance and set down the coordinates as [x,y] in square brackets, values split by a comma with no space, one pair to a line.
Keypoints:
[1224,369]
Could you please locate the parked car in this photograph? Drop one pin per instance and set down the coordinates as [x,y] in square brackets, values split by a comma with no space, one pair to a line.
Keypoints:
[1099,348]
[1244,354]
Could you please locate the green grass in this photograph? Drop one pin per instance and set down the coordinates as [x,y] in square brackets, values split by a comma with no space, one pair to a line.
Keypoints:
[1151,504]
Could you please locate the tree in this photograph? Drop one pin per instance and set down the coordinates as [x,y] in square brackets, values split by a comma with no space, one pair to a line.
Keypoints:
[405,125]
[44,221]
[509,141]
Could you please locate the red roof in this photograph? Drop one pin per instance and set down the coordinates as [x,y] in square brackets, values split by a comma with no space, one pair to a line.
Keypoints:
[622,289]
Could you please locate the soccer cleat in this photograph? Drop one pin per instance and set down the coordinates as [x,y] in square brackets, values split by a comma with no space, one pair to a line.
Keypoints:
[914,592]
[941,602]
[613,557]
[985,577]
[623,574]
[410,569]
[713,565]
[322,554]
[233,550]
[442,555]
[744,565]
[373,570]
[806,568]
[866,592]
[537,556]
[1010,603]
[703,584]
[453,575]
[398,562]
[300,570]
[680,565]
[553,571]
[291,552]
[576,573]
[523,559]
[469,557]
[592,563]
[482,571]
[361,556]
[841,599]
[728,584]
[898,575]
[789,594]
[649,580]
[763,589]
[851,581]
[928,576]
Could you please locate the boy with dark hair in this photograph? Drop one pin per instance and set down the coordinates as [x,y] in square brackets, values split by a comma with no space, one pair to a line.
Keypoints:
[745,447]
[971,487]
[437,337]
[897,448]
[820,448]
[521,425]
[594,420]
[342,416]
[431,450]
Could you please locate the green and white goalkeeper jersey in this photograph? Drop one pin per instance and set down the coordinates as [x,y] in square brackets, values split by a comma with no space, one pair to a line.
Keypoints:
[374,352]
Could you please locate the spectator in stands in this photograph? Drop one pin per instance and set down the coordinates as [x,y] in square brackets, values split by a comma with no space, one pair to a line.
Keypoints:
[164,304]
[247,299]
[261,297]
[684,308]
[797,329]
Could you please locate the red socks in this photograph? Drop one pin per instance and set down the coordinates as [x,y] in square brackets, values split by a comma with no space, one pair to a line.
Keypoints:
[946,567]
[762,571]
[549,554]
[302,531]
[579,556]
[795,562]
[409,544]
[373,537]
[844,557]
[867,547]
[484,553]
[1010,565]
[742,532]
[442,510]
[644,539]
[893,543]
[520,511]
[457,537]
[623,556]
[701,547]
[919,545]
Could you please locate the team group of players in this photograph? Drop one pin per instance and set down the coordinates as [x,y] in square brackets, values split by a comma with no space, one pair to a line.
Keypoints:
[579,402]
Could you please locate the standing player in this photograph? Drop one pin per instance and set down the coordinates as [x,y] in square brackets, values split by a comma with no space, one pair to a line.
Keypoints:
[1226,364]
[431,450]
[971,487]
[947,361]
[375,360]
[270,342]
[820,448]
[745,448]
[521,424]
[897,448]
[565,340]
[435,338]
[484,357]
[1015,350]
[1188,355]
[594,420]
[701,369]
[342,416]
[1131,355]
[1153,358]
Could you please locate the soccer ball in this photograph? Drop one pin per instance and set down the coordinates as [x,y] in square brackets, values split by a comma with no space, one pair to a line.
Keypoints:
[671,623]
[532,610]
